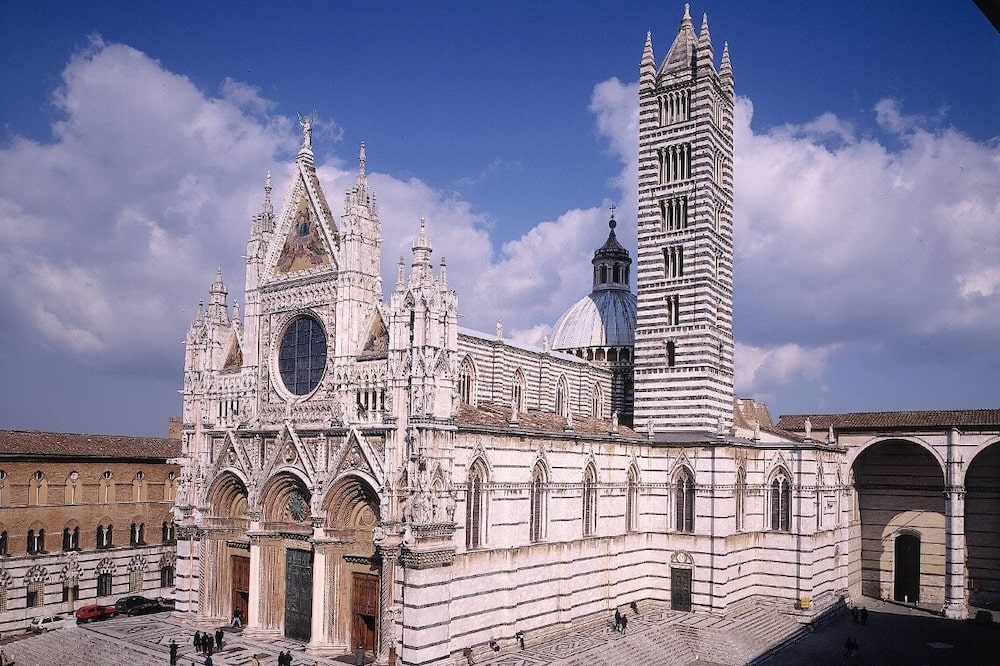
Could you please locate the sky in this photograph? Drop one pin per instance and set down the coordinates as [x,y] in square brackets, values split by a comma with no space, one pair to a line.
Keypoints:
[136,138]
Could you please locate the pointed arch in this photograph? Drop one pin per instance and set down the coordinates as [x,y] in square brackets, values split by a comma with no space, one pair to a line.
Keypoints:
[562,396]
[589,500]
[597,402]
[780,499]
[517,391]
[477,505]
[467,381]
[741,498]
[286,499]
[632,499]
[227,497]
[538,499]
[684,500]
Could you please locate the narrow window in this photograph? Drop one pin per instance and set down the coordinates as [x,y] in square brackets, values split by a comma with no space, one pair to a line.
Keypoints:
[589,502]
[537,501]
[741,495]
[476,508]
[781,503]
[104,584]
[632,501]
[684,502]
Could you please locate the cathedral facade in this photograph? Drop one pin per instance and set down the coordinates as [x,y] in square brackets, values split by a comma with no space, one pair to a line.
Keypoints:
[360,470]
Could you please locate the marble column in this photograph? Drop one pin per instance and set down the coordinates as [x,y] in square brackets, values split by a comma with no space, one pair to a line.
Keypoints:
[955,602]
[387,617]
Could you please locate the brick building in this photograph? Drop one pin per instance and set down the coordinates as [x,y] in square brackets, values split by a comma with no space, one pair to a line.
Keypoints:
[83,518]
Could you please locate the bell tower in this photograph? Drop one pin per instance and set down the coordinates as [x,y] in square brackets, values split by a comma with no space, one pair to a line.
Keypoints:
[684,324]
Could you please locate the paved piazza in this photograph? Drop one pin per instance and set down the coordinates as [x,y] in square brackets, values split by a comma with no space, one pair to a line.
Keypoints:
[656,637]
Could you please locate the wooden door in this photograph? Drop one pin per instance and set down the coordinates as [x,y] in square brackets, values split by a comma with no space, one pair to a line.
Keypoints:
[298,594]
[241,586]
[680,589]
[364,610]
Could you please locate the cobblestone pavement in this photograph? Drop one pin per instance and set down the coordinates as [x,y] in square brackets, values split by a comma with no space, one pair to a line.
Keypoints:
[656,637]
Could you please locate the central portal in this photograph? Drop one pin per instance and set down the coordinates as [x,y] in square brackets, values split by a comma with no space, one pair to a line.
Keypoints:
[298,594]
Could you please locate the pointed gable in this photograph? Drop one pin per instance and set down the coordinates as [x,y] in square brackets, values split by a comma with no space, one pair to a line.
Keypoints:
[377,341]
[234,357]
[306,227]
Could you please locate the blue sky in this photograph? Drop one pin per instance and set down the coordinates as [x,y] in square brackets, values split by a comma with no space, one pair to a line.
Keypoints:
[136,137]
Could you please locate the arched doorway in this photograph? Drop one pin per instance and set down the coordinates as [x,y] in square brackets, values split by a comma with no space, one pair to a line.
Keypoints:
[227,549]
[285,504]
[352,508]
[906,577]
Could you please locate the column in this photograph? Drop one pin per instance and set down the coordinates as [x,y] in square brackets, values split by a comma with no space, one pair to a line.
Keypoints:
[387,638]
[955,603]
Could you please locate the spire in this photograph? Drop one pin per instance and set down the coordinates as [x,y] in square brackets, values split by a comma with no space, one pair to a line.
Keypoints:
[705,52]
[647,68]
[267,210]
[726,68]
[217,300]
[359,195]
[362,161]
[682,52]
[421,266]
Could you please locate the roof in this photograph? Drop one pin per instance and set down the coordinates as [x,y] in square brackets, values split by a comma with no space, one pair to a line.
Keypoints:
[956,418]
[605,318]
[498,416]
[71,445]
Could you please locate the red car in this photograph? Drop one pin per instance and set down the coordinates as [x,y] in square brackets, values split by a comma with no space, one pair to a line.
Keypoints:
[95,612]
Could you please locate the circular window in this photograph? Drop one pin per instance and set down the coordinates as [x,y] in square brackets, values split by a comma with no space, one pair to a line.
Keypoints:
[302,355]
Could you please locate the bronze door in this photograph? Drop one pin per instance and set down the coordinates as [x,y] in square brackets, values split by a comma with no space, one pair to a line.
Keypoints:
[680,589]
[241,586]
[298,594]
[364,610]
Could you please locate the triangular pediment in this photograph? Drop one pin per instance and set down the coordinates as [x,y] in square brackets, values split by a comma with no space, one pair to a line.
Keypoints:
[306,236]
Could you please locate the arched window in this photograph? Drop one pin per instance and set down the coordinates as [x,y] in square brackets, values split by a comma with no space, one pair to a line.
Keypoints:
[36,541]
[105,536]
[168,534]
[632,500]
[597,402]
[167,575]
[476,507]
[72,490]
[137,534]
[741,499]
[684,501]
[562,397]
[71,538]
[107,488]
[104,583]
[589,501]
[467,382]
[517,391]
[538,503]
[38,489]
[781,502]
[139,487]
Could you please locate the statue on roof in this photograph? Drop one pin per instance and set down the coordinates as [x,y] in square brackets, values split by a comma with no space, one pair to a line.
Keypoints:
[307,123]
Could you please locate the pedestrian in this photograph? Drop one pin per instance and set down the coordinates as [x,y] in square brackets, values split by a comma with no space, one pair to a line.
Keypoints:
[864,615]
[237,618]
[207,638]
[494,645]
[197,641]
[218,638]
[173,653]
[856,614]
[208,660]
[624,624]
[618,620]
[635,607]
[359,656]
[520,638]
[467,653]
[281,658]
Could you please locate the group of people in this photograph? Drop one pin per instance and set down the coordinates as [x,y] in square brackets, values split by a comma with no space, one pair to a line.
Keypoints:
[621,622]
[204,643]
[860,615]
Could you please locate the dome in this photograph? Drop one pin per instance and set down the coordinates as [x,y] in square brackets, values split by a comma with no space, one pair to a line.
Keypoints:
[605,318]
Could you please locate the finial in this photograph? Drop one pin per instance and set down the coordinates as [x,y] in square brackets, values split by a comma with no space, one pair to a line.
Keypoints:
[611,222]
[399,272]
[687,11]
[362,160]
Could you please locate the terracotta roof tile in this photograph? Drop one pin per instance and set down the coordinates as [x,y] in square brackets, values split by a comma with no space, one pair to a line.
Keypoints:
[61,444]
[957,418]
[497,416]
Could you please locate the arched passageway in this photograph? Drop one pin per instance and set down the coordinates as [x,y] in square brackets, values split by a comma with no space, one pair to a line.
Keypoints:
[982,527]
[898,527]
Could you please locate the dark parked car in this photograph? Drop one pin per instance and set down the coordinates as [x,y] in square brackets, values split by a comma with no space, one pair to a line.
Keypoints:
[95,612]
[148,606]
[125,604]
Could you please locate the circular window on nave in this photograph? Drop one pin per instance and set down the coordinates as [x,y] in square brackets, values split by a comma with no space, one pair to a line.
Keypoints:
[302,355]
